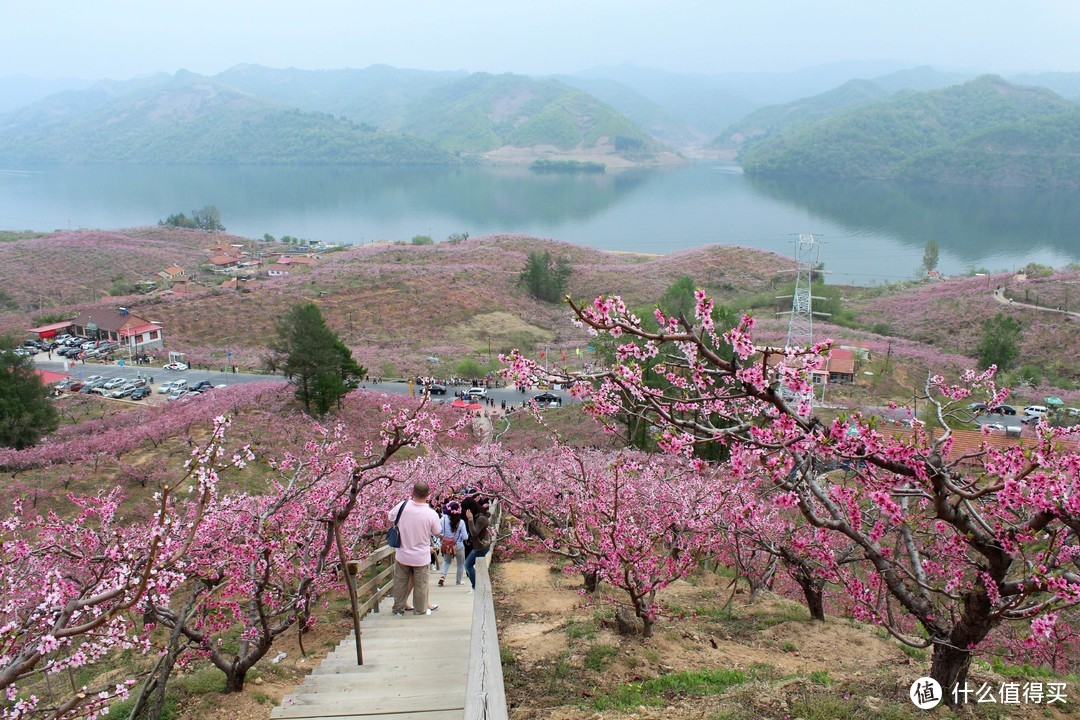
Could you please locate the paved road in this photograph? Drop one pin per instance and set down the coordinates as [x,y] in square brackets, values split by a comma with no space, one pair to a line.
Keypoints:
[512,396]
[999,295]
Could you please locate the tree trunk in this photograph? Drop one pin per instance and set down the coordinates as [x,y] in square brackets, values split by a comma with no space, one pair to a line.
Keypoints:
[950,668]
[591,581]
[814,592]
[234,680]
[952,658]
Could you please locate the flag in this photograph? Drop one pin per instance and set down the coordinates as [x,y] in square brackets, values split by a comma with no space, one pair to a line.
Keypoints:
[541,353]
[578,351]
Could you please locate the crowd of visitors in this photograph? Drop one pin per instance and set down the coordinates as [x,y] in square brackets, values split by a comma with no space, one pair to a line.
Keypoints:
[459,531]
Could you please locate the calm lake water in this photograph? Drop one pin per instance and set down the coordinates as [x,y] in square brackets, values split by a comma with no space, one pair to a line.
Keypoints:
[871,231]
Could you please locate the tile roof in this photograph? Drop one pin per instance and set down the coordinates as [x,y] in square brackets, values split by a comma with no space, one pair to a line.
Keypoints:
[841,361]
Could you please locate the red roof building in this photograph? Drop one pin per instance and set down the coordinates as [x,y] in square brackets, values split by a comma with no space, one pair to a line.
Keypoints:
[120,326]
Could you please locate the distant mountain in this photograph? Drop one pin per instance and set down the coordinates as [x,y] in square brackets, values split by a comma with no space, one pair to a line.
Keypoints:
[483,112]
[986,131]
[647,114]
[709,103]
[1065,84]
[774,119]
[191,119]
[378,95]
[768,121]
[18,91]
[921,79]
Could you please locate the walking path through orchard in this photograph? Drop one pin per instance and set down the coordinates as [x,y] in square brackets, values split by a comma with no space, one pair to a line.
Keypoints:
[415,667]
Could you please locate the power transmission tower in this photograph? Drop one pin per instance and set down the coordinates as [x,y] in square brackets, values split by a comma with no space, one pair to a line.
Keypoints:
[801,320]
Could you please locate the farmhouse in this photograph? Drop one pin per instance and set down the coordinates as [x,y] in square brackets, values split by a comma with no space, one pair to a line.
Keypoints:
[173,272]
[120,326]
[223,262]
[841,366]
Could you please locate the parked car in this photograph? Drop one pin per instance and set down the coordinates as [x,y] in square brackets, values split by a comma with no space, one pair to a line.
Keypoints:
[548,399]
[436,389]
[1073,412]
[114,383]
[121,392]
[1039,410]
[176,394]
[175,366]
[140,392]
[995,426]
[1003,410]
[203,385]
[977,406]
[75,387]
[165,388]
[65,384]
[475,392]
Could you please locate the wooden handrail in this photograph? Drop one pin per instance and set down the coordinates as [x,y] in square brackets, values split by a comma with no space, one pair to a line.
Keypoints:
[366,597]
[485,694]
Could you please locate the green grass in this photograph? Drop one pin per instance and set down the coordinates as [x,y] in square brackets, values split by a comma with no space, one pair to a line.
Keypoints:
[507,656]
[788,646]
[123,708]
[914,653]
[830,707]
[656,691]
[821,677]
[598,657]
[580,630]
[202,681]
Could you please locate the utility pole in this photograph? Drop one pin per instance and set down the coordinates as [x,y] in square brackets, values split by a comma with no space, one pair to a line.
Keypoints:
[801,319]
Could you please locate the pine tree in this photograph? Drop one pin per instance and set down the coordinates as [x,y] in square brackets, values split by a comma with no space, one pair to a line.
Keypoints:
[314,359]
[26,413]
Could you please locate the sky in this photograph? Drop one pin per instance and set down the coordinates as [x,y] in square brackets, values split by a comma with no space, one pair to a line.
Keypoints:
[120,39]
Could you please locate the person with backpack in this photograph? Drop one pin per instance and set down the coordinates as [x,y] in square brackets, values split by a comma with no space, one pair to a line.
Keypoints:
[416,522]
[480,533]
[454,535]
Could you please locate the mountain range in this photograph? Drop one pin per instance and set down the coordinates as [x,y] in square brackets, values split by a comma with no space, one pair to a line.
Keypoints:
[623,114]
[983,132]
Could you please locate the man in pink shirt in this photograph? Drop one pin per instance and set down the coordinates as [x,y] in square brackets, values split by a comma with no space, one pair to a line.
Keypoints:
[411,561]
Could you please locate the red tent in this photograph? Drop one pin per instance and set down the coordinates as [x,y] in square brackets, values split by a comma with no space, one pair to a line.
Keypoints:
[474,406]
[459,403]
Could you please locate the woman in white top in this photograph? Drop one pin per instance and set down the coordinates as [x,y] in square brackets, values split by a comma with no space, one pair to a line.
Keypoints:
[454,533]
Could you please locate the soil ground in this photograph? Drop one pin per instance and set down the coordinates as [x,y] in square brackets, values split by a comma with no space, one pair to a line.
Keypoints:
[563,659]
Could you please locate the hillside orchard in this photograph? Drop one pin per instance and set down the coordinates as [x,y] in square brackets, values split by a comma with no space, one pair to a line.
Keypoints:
[948,546]
[949,550]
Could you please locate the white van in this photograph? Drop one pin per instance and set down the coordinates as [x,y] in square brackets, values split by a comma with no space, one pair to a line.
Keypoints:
[475,392]
[1037,410]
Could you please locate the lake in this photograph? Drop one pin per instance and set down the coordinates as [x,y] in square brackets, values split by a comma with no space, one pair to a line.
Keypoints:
[871,232]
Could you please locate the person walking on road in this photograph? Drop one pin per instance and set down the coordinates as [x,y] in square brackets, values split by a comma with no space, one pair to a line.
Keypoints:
[416,524]
[454,536]
[480,534]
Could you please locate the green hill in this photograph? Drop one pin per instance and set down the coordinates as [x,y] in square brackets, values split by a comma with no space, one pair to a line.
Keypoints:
[192,119]
[932,136]
[769,121]
[483,112]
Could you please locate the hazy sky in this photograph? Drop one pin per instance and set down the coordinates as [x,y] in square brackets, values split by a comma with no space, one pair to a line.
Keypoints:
[125,38]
